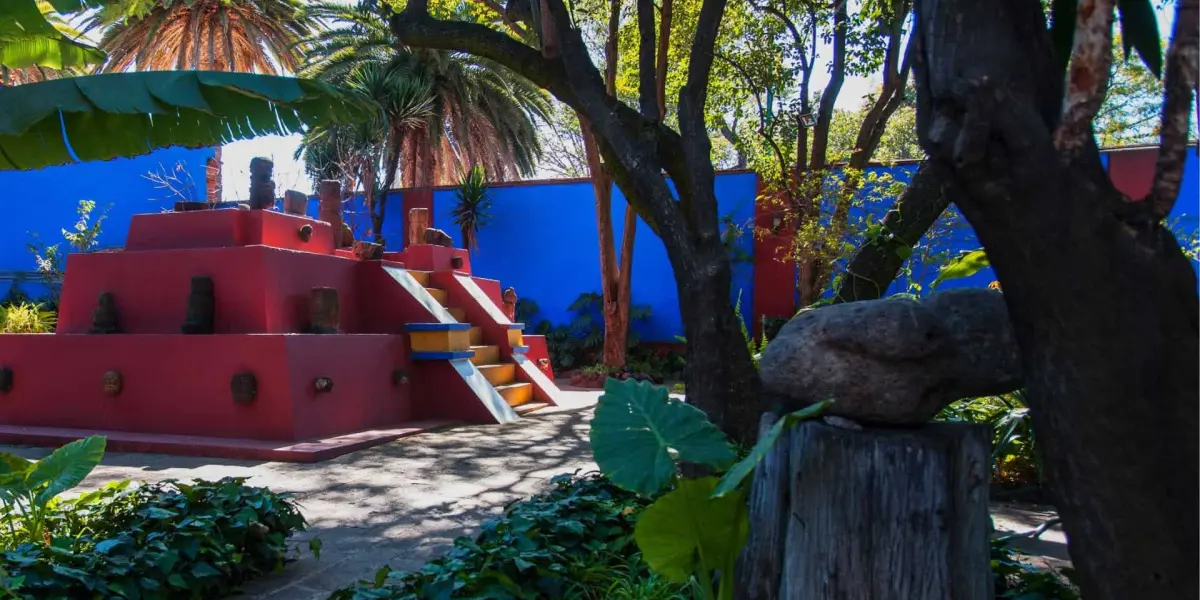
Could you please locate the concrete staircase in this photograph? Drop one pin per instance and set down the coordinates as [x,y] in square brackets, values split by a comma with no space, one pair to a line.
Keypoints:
[502,375]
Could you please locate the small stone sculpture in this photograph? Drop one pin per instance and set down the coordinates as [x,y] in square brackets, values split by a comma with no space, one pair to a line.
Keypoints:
[347,236]
[6,380]
[325,313]
[323,385]
[418,222]
[295,203]
[104,317]
[368,251]
[330,208]
[437,237]
[201,307]
[456,262]
[509,303]
[112,383]
[262,187]
[399,377]
[244,387]
[305,233]
[188,206]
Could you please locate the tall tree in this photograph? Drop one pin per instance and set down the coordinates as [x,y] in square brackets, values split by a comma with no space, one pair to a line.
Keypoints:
[480,113]
[1103,302]
[638,147]
[246,36]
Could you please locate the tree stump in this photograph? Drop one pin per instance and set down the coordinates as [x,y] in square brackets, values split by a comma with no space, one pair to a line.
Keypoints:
[418,222]
[870,513]
[295,202]
[330,207]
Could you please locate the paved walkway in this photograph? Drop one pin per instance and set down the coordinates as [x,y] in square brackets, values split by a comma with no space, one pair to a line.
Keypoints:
[403,503]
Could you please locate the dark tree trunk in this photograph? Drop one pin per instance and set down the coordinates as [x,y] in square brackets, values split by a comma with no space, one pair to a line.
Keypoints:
[1104,308]
[720,378]
[877,261]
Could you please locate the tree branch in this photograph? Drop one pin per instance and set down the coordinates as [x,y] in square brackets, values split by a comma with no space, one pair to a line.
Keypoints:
[697,149]
[664,47]
[647,76]
[1179,83]
[877,261]
[829,97]
[1087,75]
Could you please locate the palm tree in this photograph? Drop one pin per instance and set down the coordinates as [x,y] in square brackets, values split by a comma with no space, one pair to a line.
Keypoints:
[247,36]
[360,151]
[480,113]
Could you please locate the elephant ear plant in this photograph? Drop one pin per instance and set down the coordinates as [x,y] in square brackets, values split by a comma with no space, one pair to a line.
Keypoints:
[696,529]
[28,489]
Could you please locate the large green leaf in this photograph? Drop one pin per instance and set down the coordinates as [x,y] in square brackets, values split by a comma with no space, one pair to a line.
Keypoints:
[13,470]
[963,265]
[687,529]
[129,114]
[1139,31]
[639,431]
[737,473]
[65,467]
[28,38]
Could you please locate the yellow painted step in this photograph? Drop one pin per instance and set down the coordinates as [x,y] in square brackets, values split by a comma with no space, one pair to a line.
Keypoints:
[499,374]
[516,394]
[459,314]
[476,335]
[486,355]
[529,407]
[438,294]
[422,277]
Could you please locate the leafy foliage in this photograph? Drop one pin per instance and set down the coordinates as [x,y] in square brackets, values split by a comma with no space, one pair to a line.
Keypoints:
[31,35]
[82,237]
[639,432]
[575,541]
[26,317]
[159,541]
[1012,578]
[962,266]
[577,343]
[28,489]
[98,117]
[1015,461]
[473,204]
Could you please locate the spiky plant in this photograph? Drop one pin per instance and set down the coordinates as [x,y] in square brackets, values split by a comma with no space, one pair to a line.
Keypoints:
[472,209]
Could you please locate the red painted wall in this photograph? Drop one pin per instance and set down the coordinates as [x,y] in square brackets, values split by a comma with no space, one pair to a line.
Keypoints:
[774,275]
[181,384]
[225,228]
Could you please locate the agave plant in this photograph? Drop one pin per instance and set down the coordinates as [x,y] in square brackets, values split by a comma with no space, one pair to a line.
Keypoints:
[472,209]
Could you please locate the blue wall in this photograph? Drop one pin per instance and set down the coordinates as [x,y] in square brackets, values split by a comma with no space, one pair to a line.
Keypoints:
[542,241]
[45,201]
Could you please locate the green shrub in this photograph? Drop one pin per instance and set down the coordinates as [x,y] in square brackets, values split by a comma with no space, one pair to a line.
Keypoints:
[575,541]
[1014,448]
[27,317]
[1012,578]
[580,341]
[163,540]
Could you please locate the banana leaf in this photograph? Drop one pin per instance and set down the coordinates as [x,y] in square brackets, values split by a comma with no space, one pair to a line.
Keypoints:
[28,39]
[100,117]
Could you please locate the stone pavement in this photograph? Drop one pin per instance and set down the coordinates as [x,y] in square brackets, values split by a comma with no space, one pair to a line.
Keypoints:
[403,503]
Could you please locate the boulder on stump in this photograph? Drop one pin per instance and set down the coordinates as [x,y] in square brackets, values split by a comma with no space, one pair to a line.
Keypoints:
[437,237]
[894,361]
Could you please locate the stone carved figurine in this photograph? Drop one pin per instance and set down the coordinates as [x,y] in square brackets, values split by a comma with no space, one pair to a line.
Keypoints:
[325,313]
[200,307]
[295,203]
[509,303]
[104,317]
[262,186]
[112,383]
[330,210]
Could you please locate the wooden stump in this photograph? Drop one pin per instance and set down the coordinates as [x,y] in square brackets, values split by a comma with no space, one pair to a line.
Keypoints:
[418,222]
[871,513]
[295,202]
[262,186]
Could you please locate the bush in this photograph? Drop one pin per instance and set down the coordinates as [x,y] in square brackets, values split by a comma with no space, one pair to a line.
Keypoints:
[575,541]
[580,341]
[26,317]
[1015,464]
[164,540]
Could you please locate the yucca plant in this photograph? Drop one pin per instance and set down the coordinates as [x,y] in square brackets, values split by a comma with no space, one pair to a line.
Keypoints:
[474,204]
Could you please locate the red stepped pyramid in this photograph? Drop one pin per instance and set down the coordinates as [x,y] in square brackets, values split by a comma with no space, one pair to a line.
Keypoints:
[420,343]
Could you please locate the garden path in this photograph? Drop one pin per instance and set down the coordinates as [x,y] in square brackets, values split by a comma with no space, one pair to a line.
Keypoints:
[403,503]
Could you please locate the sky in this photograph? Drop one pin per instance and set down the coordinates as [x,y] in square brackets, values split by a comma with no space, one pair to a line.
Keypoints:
[289,172]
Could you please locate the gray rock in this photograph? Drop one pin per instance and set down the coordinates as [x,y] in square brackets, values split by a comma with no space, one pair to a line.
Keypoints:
[437,237]
[894,361]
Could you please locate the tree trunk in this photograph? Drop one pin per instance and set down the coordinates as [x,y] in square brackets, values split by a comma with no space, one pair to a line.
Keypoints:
[877,261]
[720,377]
[871,513]
[1104,307]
